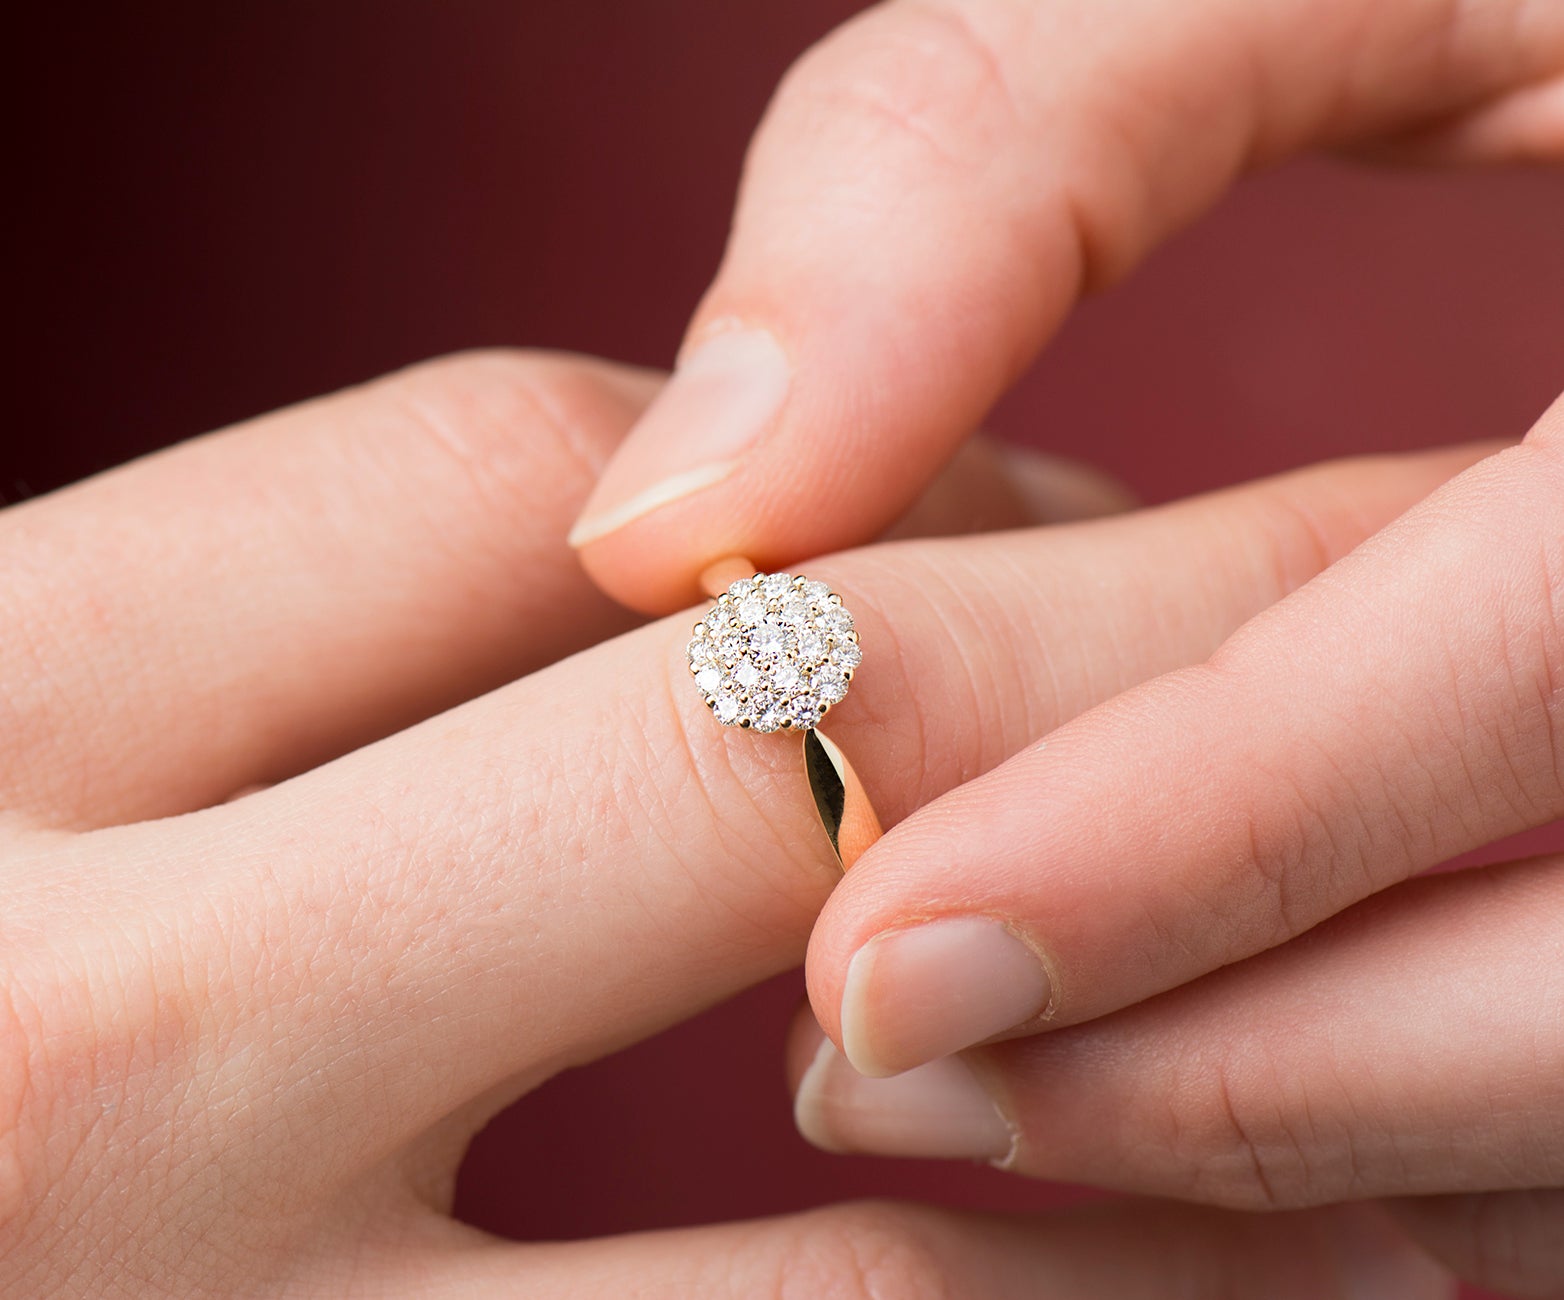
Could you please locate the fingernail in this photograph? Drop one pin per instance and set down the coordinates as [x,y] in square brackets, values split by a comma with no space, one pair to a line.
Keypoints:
[720,401]
[917,994]
[937,1112]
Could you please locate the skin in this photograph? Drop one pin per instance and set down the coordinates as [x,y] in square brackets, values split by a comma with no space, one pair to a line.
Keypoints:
[245,1038]
[970,171]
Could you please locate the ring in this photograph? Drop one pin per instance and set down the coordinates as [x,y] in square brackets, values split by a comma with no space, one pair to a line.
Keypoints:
[775,653]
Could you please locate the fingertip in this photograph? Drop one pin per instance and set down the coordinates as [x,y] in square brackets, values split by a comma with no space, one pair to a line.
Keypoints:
[653,565]
[804,1037]
[1058,490]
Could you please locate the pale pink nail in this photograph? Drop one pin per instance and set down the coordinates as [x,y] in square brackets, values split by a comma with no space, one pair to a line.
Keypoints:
[720,401]
[939,1111]
[917,994]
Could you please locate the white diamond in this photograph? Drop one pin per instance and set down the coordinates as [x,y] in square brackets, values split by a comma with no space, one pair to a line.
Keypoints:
[767,642]
[794,609]
[834,621]
[782,669]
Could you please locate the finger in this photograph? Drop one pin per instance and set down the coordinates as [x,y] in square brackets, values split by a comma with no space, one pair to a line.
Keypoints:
[543,875]
[1398,712]
[858,1251]
[1318,1072]
[988,486]
[1511,1242]
[935,185]
[241,607]
[238,609]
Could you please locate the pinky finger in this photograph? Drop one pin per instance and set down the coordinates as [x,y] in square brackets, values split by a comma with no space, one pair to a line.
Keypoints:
[1117,1251]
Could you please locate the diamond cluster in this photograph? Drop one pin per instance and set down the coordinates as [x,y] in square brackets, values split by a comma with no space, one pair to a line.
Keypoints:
[776,651]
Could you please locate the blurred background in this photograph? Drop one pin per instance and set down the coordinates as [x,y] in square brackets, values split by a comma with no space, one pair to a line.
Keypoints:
[222,209]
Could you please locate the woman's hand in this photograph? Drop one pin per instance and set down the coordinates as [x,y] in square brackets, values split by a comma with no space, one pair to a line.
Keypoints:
[243,1044]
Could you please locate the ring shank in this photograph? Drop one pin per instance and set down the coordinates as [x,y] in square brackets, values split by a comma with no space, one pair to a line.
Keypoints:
[840,799]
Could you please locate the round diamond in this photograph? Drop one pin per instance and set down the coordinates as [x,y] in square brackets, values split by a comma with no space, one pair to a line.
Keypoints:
[829,684]
[811,646]
[835,621]
[816,593]
[793,609]
[774,652]
[806,713]
[768,643]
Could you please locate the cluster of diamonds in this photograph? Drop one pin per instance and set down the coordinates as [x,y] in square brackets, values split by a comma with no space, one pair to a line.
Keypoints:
[776,651]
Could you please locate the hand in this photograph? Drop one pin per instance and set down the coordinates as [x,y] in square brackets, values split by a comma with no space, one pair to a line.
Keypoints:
[934,187]
[243,1044]
[1400,710]
[939,181]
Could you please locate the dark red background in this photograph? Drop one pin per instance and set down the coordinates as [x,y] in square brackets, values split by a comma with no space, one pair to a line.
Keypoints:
[225,208]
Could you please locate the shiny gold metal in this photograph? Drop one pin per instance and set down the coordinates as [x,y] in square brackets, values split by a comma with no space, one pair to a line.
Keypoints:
[845,811]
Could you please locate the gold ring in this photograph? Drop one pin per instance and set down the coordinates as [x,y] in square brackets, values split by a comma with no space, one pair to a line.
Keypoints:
[775,653]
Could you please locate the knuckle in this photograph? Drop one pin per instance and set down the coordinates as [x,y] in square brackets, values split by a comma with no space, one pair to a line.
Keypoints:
[19,1042]
[867,1251]
[1299,541]
[1516,710]
[926,78]
[97,1042]
[1256,1137]
[517,429]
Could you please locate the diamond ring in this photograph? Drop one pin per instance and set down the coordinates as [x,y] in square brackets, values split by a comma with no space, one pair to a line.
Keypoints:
[775,653]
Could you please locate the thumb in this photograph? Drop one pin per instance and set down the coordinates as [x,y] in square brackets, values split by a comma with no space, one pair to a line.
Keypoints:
[938,182]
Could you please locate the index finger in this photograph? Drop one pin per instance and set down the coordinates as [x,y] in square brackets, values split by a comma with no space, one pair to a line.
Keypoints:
[934,187]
